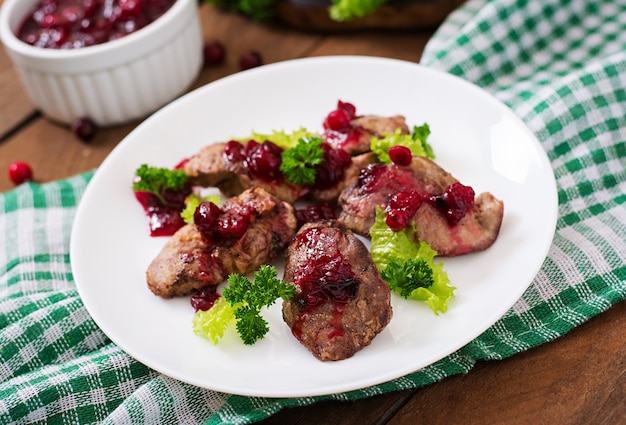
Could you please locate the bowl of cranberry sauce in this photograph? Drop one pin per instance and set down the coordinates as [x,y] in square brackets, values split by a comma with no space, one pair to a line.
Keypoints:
[112,61]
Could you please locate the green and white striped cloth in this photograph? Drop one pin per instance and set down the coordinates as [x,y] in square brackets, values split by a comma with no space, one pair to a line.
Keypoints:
[560,65]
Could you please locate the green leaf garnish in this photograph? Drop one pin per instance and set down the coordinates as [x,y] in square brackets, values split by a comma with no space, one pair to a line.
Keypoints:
[392,249]
[244,301]
[298,165]
[157,179]
[417,142]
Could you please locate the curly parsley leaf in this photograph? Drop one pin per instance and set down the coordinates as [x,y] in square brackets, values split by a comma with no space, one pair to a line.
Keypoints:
[158,179]
[298,162]
[248,298]
[406,276]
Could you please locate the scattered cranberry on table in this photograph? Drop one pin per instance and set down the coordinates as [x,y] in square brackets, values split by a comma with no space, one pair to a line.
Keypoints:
[71,24]
[250,59]
[20,172]
[84,128]
[214,53]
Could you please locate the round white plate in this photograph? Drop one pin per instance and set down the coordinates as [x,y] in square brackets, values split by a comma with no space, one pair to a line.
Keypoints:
[474,136]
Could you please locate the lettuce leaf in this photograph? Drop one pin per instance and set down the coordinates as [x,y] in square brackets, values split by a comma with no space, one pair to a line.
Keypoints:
[281,138]
[388,246]
[212,323]
[417,141]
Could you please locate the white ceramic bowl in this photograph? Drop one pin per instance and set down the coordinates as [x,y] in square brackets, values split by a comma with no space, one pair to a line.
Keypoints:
[114,82]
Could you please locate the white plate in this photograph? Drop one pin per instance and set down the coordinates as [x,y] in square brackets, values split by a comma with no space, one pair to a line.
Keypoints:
[474,136]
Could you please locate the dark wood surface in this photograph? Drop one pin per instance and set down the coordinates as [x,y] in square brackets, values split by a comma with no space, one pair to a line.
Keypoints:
[577,379]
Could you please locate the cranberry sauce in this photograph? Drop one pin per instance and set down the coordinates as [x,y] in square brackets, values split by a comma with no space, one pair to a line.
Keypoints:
[219,226]
[204,299]
[164,214]
[71,24]
[338,128]
[324,277]
[263,160]
[402,195]
[316,212]
[455,202]
[332,170]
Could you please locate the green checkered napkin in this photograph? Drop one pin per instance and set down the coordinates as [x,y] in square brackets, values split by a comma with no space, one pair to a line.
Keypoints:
[560,65]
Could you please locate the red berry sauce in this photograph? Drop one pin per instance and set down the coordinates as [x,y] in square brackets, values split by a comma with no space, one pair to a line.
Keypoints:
[263,161]
[316,212]
[455,202]
[72,24]
[338,128]
[332,170]
[402,195]
[221,226]
[324,277]
[401,208]
[164,217]
[204,299]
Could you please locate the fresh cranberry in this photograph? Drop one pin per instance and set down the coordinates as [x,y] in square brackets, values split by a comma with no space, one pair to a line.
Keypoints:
[205,299]
[400,155]
[250,59]
[213,53]
[20,172]
[348,107]
[337,120]
[84,128]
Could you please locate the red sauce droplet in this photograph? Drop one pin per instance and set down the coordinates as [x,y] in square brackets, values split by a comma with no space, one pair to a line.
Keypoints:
[164,215]
[205,299]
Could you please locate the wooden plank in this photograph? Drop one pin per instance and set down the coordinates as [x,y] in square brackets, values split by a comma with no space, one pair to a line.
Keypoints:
[577,379]
[15,105]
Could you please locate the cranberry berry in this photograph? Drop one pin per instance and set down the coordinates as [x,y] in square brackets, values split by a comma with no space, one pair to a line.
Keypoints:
[84,128]
[251,59]
[214,53]
[20,172]
[400,155]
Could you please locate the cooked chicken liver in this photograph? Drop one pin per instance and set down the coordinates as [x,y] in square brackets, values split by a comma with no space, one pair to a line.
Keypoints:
[186,264]
[476,231]
[341,302]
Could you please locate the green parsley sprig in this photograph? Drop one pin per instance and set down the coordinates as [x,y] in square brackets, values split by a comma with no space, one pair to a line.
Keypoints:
[244,302]
[405,276]
[298,165]
[158,179]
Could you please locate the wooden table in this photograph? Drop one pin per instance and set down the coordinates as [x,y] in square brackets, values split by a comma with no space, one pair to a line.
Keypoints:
[578,379]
